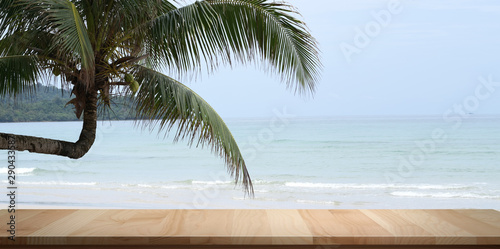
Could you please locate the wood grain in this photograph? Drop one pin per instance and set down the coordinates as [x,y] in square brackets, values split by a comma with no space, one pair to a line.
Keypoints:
[233,228]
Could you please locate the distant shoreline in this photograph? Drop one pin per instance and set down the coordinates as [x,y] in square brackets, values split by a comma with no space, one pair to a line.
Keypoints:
[301,118]
[48,121]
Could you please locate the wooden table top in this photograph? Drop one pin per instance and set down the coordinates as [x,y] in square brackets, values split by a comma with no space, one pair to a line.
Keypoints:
[251,227]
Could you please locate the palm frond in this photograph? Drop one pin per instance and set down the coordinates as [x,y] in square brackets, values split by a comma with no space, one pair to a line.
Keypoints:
[72,32]
[166,102]
[149,9]
[177,41]
[18,75]
[29,42]
[8,10]
[61,20]
[224,31]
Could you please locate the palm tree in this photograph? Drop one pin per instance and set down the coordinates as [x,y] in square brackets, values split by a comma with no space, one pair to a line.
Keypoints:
[101,48]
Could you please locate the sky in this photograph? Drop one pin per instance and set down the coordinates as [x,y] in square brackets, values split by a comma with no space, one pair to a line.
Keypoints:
[380,58]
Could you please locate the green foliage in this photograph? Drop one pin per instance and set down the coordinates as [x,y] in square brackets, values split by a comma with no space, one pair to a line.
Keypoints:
[169,100]
[17,74]
[49,104]
[97,45]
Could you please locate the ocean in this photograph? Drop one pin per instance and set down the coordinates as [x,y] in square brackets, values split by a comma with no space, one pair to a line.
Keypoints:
[326,163]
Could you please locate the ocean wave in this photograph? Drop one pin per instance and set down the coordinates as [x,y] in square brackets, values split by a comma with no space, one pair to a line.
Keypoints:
[261,191]
[336,185]
[38,171]
[212,182]
[20,171]
[194,185]
[265,182]
[444,195]
[59,183]
[440,187]
[174,186]
[155,186]
[257,198]
[379,186]
[320,202]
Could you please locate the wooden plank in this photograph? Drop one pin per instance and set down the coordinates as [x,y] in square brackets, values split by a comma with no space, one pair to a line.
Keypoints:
[288,227]
[31,221]
[256,247]
[20,217]
[488,216]
[405,231]
[357,228]
[319,229]
[323,225]
[137,226]
[27,216]
[68,222]
[467,223]
[208,227]
[482,231]
[5,218]
[444,232]
[251,227]
[60,230]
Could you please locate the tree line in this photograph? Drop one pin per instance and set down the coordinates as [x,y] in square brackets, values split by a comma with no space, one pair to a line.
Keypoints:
[49,104]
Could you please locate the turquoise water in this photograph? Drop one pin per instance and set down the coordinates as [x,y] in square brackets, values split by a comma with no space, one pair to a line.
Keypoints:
[361,162]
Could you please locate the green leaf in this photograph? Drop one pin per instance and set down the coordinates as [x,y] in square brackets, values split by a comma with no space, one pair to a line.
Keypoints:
[227,31]
[71,30]
[18,75]
[166,102]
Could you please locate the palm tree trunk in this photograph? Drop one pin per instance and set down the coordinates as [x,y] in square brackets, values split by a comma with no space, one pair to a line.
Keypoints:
[58,147]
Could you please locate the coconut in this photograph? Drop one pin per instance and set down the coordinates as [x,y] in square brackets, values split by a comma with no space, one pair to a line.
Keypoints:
[129,78]
[134,86]
[56,71]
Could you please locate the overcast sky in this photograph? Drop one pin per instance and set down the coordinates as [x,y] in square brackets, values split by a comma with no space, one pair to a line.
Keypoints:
[380,57]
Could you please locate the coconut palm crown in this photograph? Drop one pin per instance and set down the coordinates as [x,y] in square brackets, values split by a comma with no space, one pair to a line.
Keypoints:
[101,48]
